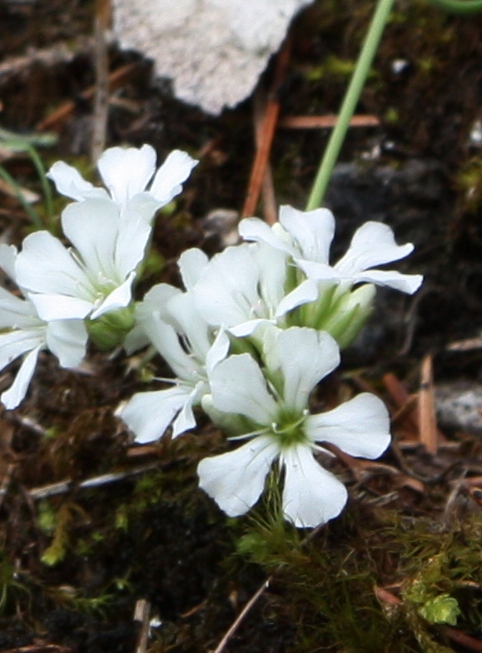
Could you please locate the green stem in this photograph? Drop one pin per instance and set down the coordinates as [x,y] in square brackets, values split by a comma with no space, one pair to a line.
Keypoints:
[47,191]
[348,106]
[459,6]
[32,214]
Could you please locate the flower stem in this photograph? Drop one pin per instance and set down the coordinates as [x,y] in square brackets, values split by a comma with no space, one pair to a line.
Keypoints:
[459,6]
[348,106]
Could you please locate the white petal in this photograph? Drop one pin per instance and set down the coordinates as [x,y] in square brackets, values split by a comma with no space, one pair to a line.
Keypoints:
[171,175]
[182,313]
[254,229]
[360,427]
[148,414]
[248,328]
[408,283]
[118,298]
[70,183]
[306,292]
[238,386]
[16,313]
[166,340]
[60,307]
[67,339]
[8,257]
[15,343]
[312,230]
[311,495]
[303,356]
[126,171]
[191,263]
[17,391]
[44,265]
[92,227]
[144,205]
[235,480]
[273,268]
[185,419]
[218,351]
[373,244]
[131,244]
[227,290]
[319,271]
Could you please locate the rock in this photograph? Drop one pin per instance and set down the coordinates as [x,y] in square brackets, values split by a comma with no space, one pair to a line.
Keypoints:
[213,50]
[459,406]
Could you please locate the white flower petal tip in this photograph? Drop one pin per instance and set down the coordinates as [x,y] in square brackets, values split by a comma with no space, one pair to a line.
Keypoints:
[360,427]
[311,495]
[127,172]
[12,397]
[149,414]
[235,480]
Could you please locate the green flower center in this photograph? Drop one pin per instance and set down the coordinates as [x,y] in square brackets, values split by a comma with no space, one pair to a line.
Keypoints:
[288,429]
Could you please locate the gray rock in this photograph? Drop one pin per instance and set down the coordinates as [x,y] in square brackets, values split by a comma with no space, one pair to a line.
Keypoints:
[459,406]
[213,50]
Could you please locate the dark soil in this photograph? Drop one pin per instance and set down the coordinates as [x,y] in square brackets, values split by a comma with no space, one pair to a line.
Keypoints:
[75,560]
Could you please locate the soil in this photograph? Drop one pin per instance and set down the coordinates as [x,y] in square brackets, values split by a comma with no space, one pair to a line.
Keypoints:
[76,559]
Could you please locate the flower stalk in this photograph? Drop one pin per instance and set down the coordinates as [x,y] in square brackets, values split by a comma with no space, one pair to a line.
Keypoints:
[362,68]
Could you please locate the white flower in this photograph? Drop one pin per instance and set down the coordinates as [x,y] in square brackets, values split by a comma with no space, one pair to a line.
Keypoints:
[168,318]
[247,285]
[94,278]
[23,333]
[127,172]
[274,406]
[306,237]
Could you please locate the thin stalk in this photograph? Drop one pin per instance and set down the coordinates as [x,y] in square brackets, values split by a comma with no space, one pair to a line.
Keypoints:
[32,214]
[350,101]
[46,188]
[459,6]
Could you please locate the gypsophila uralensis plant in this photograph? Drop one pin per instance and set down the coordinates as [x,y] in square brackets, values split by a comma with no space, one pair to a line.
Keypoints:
[248,338]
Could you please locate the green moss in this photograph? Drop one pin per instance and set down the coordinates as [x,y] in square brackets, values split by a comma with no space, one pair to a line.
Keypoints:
[328,583]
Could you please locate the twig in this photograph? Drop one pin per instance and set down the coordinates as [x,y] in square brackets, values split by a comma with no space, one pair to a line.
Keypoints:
[116,79]
[101,95]
[259,592]
[427,419]
[141,614]
[235,625]
[457,636]
[324,122]
[64,486]
[39,648]
[267,131]
[270,209]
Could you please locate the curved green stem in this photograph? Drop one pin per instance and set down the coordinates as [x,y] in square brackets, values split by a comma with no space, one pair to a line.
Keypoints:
[348,106]
[459,6]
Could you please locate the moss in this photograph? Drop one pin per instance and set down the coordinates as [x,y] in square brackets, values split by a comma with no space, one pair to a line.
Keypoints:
[328,584]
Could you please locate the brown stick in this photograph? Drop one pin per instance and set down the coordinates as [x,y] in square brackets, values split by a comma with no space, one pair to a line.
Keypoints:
[426,406]
[324,122]
[101,93]
[270,210]
[116,79]
[267,133]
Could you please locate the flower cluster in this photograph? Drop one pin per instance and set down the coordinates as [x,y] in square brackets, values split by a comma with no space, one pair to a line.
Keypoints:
[248,339]
[69,291]
[257,327]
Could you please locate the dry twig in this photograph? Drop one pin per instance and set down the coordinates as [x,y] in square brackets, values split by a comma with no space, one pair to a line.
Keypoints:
[267,134]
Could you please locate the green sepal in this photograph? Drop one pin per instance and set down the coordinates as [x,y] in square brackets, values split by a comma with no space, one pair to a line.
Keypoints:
[109,330]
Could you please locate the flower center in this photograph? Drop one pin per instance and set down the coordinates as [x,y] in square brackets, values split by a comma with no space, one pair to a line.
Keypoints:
[288,429]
